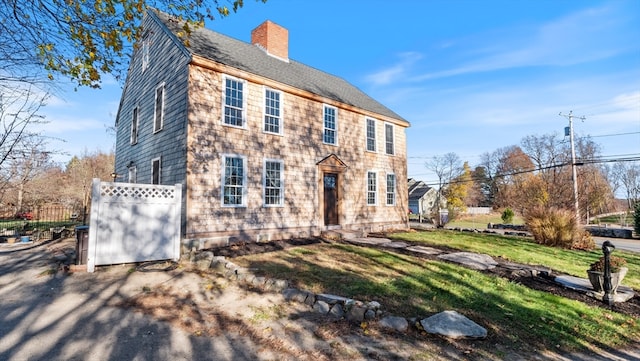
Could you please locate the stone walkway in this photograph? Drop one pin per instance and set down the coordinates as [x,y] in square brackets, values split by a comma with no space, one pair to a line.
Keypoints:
[485,262]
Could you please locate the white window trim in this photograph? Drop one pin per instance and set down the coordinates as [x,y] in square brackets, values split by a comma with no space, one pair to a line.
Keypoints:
[245,95]
[393,138]
[135,130]
[386,189]
[375,203]
[264,183]
[324,107]
[159,160]
[244,181]
[264,111]
[366,135]
[155,108]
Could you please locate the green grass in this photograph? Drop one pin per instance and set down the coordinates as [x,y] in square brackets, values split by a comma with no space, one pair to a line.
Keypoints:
[525,251]
[480,221]
[616,219]
[514,315]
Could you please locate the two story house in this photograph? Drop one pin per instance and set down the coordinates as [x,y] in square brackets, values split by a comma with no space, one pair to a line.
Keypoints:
[265,147]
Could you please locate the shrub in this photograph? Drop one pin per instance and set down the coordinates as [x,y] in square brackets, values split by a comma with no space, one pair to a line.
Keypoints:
[615,263]
[507,216]
[557,228]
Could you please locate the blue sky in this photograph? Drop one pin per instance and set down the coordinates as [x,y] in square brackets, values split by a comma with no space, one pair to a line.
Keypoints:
[470,76]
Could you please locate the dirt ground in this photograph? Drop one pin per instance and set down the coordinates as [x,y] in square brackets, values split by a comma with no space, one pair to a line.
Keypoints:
[205,304]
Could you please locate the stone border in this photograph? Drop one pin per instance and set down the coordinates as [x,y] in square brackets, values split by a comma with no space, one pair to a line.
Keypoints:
[339,307]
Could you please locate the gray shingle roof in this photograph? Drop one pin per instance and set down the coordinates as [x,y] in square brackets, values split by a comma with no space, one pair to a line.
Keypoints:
[248,57]
[417,189]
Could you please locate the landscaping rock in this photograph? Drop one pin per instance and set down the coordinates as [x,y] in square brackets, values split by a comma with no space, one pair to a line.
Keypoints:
[337,311]
[424,250]
[399,324]
[472,260]
[369,241]
[356,314]
[321,307]
[394,245]
[203,260]
[331,299]
[454,325]
[370,315]
[218,263]
[373,305]
[294,294]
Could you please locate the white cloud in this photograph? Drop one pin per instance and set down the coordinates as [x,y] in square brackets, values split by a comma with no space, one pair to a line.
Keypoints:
[584,36]
[392,73]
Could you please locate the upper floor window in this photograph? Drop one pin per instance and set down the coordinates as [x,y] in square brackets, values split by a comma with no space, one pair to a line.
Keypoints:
[372,188]
[371,135]
[234,181]
[234,102]
[391,189]
[145,51]
[388,139]
[273,183]
[272,111]
[134,126]
[330,125]
[158,111]
[156,169]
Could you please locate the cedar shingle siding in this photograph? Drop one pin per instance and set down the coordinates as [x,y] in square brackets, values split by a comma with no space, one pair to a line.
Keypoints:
[194,141]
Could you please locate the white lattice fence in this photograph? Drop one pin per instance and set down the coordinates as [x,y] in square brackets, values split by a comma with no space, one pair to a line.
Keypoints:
[133,223]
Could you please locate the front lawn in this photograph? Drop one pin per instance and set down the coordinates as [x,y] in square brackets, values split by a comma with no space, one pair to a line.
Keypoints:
[525,251]
[515,316]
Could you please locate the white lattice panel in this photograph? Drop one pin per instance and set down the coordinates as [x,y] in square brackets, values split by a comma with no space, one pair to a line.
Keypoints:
[136,191]
[133,223]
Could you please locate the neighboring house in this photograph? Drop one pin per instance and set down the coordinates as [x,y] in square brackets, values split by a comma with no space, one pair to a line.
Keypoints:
[265,147]
[422,198]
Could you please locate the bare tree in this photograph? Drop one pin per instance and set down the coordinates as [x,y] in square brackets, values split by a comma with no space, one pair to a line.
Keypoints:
[19,112]
[446,167]
[627,174]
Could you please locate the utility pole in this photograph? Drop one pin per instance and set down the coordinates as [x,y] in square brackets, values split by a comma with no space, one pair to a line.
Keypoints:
[574,173]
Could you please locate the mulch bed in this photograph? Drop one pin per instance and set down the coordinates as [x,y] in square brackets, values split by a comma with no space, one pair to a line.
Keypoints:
[504,269]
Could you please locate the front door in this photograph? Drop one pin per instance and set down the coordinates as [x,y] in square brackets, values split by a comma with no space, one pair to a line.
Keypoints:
[330,199]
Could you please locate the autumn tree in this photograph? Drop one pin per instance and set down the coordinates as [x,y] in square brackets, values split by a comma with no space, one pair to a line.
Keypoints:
[511,174]
[458,191]
[84,40]
[79,174]
[552,159]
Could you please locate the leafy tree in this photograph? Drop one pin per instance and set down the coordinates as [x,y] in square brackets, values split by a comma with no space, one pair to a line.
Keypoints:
[458,190]
[507,216]
[480,192]
[85,39]
[511,173]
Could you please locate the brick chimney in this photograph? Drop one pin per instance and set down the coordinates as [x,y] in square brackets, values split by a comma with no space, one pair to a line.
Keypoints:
[272,38]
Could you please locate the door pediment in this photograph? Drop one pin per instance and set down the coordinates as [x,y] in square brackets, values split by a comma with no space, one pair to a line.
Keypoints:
[332,163]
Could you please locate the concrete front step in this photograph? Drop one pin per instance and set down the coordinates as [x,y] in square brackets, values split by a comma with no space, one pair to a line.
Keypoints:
[342,234]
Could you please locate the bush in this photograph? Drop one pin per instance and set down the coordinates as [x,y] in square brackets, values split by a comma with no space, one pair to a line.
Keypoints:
[557,228]
[507,216]
[615,263]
